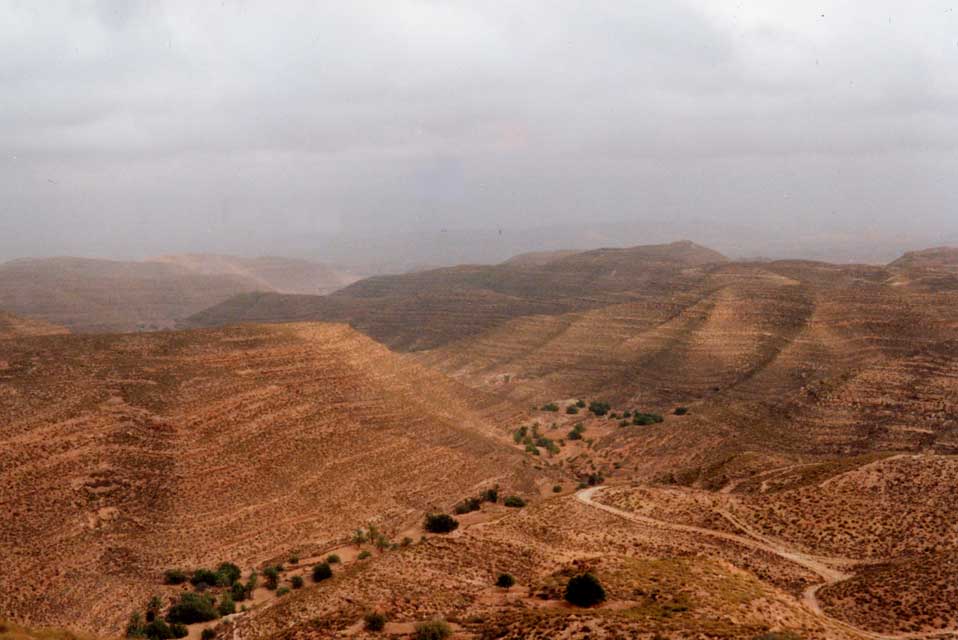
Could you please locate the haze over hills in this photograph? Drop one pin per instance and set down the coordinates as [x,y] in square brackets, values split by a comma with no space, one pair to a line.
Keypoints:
[90,295]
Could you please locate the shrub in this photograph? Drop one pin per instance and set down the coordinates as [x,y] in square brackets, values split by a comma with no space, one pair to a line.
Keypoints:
[580,404]
[153,608]
[520,434]
[282,591]
[272,577]
[623,423]
[572,409]
[135,627]
[251,583]
[374,621]
[174,576]
[363,555]
[557,488]
[293,560]
[467,505]
[646,418]
[192,607]
[552,406]
[532,449]
[505,580]
[179,630]
[297,582]
[432,630]
[230,571]
[490,495]
[359,537]
[574,435]
[594,479]
[440,523]
[203,576]
[333,559]
[207,634]
[406,541]
[599,408]
[584,591]
[514,501]
[158,630]
[681,411]
[322,571]
[238,591]
[226,606]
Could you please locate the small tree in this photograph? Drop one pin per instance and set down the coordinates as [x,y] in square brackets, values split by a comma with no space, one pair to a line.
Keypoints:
[226,606]
[205,577]
[440,523]
[432,630]
[238,592]
[584,590]
[272,577]
[322,571]
[359,537]
[230,571]
[192,607]
[505,580]
[374,621]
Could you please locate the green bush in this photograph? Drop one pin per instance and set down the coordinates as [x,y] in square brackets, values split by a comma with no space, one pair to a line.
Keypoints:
[293,560]
[230,571]
[681,411]
[432,630]
[595,479]
[520,434]
[466,506]
[207,634]
[440,523]
[272,577]
[174,576]
[572,409]
[552,406]
[322,571]
[532,449]
[238,592]
[584,591]
[557,488]
[646,418]
[251,583]
[599,408]
[179,630]
[363,555]
[406,541]
[226,605]
[490,495]
[505,580]
[297,582]
[204,576]
[192,607]
[158,630]
[580,404]
[574,435]
[135,627]
[374,621]
[514,501]
[282,591]
[333,559]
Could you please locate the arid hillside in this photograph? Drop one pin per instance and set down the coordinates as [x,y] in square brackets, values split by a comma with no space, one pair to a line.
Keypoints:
[88,295]
[122,456]
[428,309]
[12,326]
[282,275]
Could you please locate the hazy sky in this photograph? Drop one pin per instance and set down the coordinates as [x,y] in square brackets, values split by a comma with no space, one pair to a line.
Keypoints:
[130,128]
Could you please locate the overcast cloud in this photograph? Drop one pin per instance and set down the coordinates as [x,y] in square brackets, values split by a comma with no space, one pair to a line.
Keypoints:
[133,128]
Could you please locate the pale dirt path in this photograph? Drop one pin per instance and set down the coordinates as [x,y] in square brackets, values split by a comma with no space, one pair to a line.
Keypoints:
[819,565]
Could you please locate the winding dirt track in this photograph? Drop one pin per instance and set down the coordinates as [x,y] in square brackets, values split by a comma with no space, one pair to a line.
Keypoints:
[821,566]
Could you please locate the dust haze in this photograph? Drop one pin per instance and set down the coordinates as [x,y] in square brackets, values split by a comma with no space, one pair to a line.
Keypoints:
[416,133]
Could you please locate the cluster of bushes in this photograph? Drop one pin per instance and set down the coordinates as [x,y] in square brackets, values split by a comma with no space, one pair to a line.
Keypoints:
[533,439]
[373,536]
[224,576]
[646,418]
[473,503]
[552,406]
[440,523]
[154,629]
[322,571]
[599,408]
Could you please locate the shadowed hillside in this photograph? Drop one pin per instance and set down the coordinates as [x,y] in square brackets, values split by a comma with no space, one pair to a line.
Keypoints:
[88,295]
[123,456]
[428,309]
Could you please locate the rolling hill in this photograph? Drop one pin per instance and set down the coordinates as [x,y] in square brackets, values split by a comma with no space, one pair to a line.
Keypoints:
[12,326]
[125,455]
